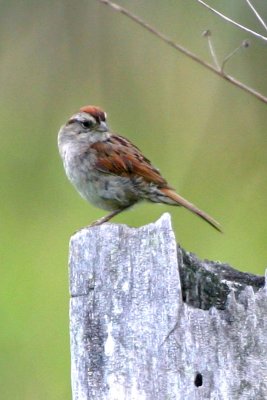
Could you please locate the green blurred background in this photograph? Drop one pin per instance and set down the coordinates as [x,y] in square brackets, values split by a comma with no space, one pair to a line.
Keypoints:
[207,137]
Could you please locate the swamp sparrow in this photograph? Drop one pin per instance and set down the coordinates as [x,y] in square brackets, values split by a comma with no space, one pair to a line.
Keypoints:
[111,172]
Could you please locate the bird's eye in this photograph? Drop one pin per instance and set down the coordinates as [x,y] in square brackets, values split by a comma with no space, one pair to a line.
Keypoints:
[87,124]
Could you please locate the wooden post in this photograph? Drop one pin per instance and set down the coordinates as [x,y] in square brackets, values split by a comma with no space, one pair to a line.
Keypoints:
[149,321]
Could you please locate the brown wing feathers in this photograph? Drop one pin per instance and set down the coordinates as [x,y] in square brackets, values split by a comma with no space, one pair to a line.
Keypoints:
[114,156]
[119,156]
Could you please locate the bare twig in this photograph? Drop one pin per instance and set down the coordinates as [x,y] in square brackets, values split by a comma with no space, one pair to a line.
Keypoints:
[207,34]
[258,35]
[245,44]
[183,50]
[257,14]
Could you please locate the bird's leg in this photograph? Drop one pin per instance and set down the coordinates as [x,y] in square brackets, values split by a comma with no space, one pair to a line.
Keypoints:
[108,217]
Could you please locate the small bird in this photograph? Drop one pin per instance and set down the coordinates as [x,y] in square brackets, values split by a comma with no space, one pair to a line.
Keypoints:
[111,172]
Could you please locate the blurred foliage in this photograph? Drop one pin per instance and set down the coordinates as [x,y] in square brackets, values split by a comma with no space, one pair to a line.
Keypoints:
[207,137]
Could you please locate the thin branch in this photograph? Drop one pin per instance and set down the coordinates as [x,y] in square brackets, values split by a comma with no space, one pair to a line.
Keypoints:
[183,50]
[207,34]
[257,14]
[245,44]
[232,21]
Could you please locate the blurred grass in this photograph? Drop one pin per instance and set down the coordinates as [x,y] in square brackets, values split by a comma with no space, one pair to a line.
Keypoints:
[207,137]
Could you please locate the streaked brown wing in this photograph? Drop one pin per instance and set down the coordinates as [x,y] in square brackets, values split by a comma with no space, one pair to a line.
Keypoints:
[118,156]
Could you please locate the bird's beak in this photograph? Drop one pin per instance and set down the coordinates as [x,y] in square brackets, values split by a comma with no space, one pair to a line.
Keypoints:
[102,127]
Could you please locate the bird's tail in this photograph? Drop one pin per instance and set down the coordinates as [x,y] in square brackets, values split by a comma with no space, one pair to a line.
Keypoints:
[179,200]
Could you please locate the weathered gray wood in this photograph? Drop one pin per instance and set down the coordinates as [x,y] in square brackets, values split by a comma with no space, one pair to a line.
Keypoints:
[132,335]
